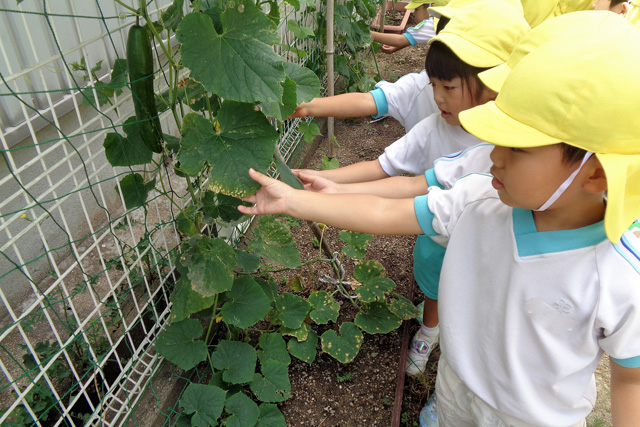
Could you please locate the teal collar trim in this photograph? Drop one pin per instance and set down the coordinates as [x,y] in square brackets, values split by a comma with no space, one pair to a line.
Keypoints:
[531,242]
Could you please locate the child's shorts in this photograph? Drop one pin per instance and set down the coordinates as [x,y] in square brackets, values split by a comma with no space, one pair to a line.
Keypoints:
[458,406]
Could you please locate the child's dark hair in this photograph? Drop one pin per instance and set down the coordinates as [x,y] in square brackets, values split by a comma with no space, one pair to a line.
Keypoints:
[442,22]
[571,154]
[616,2]
[441,63]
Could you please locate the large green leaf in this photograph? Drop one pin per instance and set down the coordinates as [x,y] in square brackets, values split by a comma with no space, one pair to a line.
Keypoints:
[179,344]
[274,242]
[285,106]
[357,243]
[343,348]
[273,348]
[247,262]
[269,287]
[210,263]
[368,270]
[305,350]
[403,308]
[377,319]
[298,30]
[239,63]
[301,334]
[188,219]
[135,191]
[325,308]
[245,140]
[236,359]
[273,385]
[307,83]
[270,416]
[375,289]
[185,301]
[171,17]
[219,207]
[244,411]
[205,402]
[127,151]
[246,303]
[292,310]
[286,175]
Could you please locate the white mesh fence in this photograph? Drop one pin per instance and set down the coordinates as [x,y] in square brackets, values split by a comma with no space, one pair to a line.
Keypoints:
[84,286]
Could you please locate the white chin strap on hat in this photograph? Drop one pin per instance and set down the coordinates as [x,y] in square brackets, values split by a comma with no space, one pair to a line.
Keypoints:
[555,196]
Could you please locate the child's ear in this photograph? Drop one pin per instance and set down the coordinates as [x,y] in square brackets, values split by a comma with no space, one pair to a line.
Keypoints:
[625,9]
[597,180]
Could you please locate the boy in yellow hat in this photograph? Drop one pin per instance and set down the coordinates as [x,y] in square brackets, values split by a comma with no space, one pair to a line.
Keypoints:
[542,274]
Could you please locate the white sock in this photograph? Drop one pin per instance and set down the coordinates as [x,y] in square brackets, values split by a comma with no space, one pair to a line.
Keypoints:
[430,332]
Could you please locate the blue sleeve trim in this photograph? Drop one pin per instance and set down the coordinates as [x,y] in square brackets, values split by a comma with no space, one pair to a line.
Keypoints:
[633,362]
[381,102]
[432,180]
[411,39]
[424,215]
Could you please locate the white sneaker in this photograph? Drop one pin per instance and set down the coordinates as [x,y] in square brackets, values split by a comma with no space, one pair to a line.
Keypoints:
[419,351]
[429,414]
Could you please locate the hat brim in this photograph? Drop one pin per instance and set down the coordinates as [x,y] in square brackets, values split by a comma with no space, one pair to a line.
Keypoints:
[414,4]
[440,11]
[494,77]
[471,52]
[489,123]
[623,192]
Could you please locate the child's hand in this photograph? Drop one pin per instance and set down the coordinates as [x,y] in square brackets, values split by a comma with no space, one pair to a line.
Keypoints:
[270,199]
[308,172]
[386,48]
[317,183]
[301,111]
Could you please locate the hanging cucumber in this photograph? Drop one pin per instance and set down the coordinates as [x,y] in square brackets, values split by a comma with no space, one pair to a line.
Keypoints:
[140,63]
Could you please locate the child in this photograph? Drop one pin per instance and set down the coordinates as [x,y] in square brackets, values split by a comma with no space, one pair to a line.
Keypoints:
[408,100]
[421,33]
[479,36]
[532,293]
[485,32]
[620,7]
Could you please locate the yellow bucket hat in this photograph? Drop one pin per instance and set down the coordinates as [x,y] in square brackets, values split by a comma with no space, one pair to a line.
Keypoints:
[483,34]
[569,90]
[552,29]
[538,11]
[450,8]
[415,3]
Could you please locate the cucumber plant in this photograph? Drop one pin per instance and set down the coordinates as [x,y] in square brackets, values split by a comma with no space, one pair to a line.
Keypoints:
[228,315]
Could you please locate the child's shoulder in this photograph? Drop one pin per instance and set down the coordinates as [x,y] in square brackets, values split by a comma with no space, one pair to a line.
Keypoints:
[629,246]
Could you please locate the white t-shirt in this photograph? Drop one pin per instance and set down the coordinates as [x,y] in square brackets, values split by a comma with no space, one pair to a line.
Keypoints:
[448,169]
[430,139]
[421,33]
[408,100]
[525,316]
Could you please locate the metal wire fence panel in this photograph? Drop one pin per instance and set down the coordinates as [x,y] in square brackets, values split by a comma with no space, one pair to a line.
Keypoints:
[84,283]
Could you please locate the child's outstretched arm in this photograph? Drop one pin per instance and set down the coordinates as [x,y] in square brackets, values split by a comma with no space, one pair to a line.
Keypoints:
[356,212]
[395,187]
[396,40]
[353,104]
[370,170]
[625,395]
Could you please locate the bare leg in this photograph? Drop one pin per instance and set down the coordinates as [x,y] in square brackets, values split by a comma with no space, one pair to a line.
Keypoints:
[430,314]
